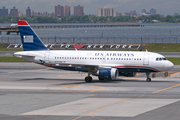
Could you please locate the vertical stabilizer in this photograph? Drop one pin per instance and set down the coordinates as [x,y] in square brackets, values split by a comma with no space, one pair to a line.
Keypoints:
[30,41]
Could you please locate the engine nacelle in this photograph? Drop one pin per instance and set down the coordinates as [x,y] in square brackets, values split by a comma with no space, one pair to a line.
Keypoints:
[127,74]
[107,73]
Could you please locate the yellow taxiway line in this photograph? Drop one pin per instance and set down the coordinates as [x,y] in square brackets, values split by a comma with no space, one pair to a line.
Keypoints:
[167,88]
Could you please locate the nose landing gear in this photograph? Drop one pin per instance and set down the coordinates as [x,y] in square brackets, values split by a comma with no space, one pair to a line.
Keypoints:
[148,77]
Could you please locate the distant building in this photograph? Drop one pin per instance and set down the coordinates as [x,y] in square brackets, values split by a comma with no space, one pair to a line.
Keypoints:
[78,10]
[20,14]
[126,14]
[143,11]
[28,12]
[118,14]
[152,11]
[59,11]
[146,14]
[3,11]
[176,13]
[67,10]
[106,12]
[133,13]
[14,12]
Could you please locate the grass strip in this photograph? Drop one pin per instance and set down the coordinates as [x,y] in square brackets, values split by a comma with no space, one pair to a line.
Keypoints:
[175,61]
[11,59]
[162,47]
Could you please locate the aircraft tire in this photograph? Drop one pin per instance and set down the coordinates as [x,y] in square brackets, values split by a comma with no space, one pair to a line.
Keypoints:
[148,79]
[88,79]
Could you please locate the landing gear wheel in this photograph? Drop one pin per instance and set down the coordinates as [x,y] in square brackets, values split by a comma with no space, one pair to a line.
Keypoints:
[88,79]
[148,79]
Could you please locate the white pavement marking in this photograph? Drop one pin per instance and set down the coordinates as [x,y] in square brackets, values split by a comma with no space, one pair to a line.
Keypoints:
[117,107]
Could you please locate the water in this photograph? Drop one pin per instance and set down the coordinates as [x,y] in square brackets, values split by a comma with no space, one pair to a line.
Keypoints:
[155,33]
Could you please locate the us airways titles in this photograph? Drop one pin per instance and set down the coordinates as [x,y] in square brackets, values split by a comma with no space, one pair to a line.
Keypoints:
[115,54]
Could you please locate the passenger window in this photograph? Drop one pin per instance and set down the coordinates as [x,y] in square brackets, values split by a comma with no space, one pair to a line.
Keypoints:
[160,58]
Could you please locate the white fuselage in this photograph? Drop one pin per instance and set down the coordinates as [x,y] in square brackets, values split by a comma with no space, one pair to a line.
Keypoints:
[126,60]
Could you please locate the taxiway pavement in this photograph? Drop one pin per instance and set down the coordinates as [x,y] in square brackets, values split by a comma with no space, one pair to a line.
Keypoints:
[30,91]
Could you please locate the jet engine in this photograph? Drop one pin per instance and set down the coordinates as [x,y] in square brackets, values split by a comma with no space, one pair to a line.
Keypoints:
[107,73]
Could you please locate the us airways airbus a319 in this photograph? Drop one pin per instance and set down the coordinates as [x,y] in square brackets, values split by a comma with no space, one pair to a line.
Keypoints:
[107,65]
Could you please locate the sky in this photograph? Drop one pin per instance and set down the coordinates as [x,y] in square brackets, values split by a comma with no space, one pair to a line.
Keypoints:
[163,7]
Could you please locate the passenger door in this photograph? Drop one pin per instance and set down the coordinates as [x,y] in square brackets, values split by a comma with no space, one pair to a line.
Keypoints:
[46,57]
[146,59]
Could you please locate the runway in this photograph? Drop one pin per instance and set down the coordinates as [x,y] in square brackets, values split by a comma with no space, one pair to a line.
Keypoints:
[30,91]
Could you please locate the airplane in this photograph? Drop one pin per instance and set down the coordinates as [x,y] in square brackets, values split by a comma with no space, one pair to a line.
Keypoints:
[107,65]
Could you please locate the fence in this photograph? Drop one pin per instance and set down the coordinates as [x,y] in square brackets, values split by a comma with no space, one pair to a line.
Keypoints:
[170,40]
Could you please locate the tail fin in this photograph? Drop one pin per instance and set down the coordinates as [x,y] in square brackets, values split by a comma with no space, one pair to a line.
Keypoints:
[30,41]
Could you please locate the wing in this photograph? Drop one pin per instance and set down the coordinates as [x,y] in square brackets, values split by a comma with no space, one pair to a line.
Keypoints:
[93,68]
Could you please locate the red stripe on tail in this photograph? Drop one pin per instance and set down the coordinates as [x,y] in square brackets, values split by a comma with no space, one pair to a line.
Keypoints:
[22,22]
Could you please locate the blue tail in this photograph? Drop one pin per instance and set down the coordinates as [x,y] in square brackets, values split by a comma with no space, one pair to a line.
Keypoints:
[30,41]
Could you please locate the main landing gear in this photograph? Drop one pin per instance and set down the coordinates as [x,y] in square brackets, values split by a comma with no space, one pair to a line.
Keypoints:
[88,79]
[148,78]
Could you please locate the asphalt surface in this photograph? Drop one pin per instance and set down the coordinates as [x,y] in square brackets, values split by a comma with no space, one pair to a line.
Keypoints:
[166,54]
[32,92]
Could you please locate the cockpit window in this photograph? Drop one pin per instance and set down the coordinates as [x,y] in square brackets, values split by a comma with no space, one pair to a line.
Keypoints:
[164,59]
[160,59]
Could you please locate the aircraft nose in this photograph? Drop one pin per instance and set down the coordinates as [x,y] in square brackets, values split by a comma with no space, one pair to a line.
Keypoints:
[169,65]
